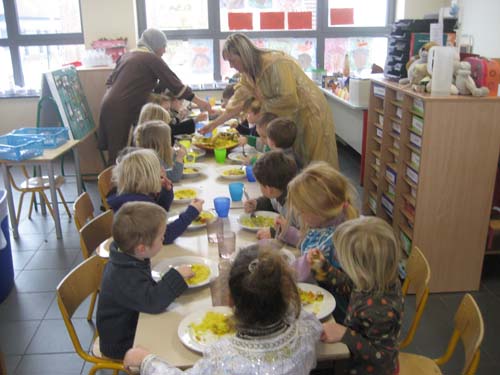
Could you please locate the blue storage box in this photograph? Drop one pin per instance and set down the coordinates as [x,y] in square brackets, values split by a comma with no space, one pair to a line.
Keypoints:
[52,136]
[17,147]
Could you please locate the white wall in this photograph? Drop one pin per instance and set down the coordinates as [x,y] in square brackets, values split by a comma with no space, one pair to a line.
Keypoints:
[109,19]
[17,113]
[481,19]
[419,8]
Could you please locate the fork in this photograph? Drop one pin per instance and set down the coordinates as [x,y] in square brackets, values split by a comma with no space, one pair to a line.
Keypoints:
[252,215]
[243,150]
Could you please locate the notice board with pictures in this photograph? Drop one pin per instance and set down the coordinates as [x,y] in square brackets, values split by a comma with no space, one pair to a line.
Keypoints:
[66,90]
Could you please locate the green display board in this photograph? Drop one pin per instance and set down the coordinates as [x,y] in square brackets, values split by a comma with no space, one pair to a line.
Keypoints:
[66,90]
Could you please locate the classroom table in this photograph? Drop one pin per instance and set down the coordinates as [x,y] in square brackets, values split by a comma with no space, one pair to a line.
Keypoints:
[47,158]
[158,333]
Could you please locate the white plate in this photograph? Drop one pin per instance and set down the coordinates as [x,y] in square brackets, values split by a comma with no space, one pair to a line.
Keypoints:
[198,151]
[220,172]
[248,149]
[161,268]
[185,200]
[320,309]
[257,213]
[239,158]
[197,166]
[193,225]
[288,255]
[186,334]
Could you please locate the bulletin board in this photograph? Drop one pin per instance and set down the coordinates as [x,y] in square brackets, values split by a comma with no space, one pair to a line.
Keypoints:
[66,90]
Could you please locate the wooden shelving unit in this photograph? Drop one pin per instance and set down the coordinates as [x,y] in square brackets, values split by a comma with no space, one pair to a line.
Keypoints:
[429,171]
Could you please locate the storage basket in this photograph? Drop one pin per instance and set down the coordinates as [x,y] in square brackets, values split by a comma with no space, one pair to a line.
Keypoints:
[52,137]
[17,147]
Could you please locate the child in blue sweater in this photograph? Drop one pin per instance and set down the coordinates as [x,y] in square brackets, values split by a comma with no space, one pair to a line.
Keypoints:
[138,177]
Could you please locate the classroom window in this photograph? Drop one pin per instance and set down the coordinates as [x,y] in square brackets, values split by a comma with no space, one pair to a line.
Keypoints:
[309,30]
[191,59]
[48,17]
[182,14]
[260,15]
[302,49]
[36,60]
[361,52]
[357,13]
[36,36]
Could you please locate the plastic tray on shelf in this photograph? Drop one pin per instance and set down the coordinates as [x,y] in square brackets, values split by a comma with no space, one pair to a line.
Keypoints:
[16,147]
[52,137]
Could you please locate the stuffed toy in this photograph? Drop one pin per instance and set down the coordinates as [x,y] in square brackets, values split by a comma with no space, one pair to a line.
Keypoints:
[464,82]
[414,66]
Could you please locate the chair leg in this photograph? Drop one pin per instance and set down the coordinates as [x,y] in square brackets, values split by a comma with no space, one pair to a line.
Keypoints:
[64,202]
[490,238]
[47,203]
[32,203]
[91,307]
[20,206]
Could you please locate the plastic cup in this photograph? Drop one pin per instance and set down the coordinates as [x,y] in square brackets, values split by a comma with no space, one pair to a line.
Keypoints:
[221,205]
[226,242]
[236,191]
[220,155]
[213,227]
[249,172]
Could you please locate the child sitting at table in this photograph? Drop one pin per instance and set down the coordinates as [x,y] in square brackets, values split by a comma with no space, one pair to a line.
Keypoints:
[369,255]
[281,133]
[155,134]
[273,334]
[138,177]
[273,171]
[180,123]
[127,287]
[322,198]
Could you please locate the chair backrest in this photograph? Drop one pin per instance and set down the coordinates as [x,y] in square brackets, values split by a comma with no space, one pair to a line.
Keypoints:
[418,274]
[469,327]
[78,284]
[105,184]
[83,210]
[95,232]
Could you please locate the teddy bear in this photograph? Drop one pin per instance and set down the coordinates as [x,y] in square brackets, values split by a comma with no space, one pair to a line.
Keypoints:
[464,82]
[417,65]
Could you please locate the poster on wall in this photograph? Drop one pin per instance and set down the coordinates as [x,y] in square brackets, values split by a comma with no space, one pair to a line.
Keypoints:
[67,92]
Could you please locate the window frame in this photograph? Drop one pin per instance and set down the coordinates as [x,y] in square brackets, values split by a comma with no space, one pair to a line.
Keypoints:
[15,40]
[322,32]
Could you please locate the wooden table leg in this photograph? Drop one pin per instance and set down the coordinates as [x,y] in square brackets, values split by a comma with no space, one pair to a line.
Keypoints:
[53,197]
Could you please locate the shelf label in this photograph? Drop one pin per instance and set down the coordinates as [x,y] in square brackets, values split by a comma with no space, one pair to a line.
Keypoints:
[412,175]
[415,140]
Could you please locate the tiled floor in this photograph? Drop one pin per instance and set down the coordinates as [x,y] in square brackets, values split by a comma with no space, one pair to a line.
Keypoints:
[34,339]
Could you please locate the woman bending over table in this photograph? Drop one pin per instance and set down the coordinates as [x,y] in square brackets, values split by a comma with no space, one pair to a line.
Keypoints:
[273,334]
[135,76]
[279,83]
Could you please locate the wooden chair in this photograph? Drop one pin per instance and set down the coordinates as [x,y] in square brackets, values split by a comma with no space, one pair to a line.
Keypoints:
[92,235]
[469,327]
[418,274]
[104,184]
[83,210]
[81,282]
[95,232]
[35,185]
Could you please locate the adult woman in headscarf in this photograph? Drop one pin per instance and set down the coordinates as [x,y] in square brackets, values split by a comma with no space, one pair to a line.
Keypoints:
[135,76]
[281,86]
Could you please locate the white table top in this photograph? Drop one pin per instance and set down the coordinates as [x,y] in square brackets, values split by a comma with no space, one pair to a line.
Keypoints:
[158,333]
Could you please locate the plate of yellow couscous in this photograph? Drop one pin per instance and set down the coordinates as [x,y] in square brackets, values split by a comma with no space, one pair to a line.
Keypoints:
[185,194]
[316,300]
[234,172]
[201,221]
[205,270]
[262,219]
[202,328]
[192,169]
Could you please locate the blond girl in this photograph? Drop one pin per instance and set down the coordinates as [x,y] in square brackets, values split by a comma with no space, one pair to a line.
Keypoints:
[138,177]
[368,253]
[154,132]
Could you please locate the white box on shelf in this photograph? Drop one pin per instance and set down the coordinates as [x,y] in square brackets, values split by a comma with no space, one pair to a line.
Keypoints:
[359,91]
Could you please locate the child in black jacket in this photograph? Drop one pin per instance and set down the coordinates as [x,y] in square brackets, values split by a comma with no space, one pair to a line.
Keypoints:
[127,287]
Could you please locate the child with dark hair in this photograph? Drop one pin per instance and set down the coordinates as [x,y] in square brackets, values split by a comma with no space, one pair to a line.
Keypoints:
[273,334]
[281,134]
[127,286]
[273,171]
